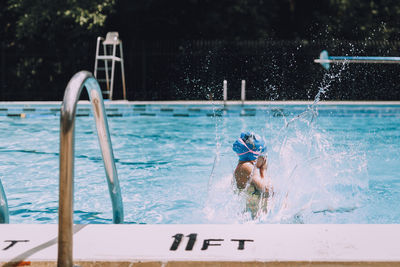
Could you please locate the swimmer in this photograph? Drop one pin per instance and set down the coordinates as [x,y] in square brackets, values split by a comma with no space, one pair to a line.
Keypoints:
[250,172]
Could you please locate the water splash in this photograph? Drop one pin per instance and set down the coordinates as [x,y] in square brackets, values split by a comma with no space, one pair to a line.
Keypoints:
[312,176]
[314,180]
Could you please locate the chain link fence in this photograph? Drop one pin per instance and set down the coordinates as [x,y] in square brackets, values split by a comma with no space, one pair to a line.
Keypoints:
[195,70]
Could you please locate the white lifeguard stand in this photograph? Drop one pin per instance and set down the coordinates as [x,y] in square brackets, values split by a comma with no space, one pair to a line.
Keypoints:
[109,54]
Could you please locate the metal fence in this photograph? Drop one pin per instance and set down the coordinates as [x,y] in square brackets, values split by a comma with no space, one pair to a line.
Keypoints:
[195,70]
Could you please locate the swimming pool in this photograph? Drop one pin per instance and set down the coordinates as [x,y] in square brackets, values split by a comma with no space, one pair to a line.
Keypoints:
[329,164]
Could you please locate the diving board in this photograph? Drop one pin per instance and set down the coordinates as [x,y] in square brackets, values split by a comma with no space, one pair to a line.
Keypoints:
[325,60]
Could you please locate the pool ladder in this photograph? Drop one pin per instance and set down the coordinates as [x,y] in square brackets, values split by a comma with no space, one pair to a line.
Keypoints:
[67,132]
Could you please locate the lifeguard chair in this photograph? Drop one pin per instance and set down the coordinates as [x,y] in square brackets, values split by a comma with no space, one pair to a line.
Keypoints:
[109,54]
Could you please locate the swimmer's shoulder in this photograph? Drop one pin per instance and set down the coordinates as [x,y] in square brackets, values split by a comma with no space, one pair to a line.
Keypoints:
[243,172]
[244,167]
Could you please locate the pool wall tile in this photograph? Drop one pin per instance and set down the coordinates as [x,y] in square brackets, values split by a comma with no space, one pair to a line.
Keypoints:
[166,109]
[209,110]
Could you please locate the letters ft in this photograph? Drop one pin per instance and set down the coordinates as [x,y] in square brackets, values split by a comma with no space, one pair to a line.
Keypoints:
[206,242]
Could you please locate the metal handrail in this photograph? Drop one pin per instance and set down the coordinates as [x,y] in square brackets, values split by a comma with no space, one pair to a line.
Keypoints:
[4,217]
[67,132]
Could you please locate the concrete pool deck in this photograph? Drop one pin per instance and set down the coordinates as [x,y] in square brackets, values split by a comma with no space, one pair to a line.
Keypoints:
[206,245]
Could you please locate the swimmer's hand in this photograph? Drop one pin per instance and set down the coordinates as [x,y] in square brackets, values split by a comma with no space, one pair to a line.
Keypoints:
[261,162]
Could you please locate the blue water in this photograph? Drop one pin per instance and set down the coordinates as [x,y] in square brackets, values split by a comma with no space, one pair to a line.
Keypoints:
[328,164]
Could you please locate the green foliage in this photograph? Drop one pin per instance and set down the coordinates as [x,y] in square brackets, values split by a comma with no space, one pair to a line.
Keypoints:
[53,39]
[38,17]
[365,20]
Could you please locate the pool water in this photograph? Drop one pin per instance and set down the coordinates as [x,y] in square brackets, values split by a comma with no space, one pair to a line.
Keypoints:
[327,163]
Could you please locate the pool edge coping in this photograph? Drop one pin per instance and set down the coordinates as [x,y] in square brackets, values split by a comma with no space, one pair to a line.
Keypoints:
[264,243]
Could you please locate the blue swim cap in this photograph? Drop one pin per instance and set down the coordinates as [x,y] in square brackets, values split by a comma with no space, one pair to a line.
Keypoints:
[249,146]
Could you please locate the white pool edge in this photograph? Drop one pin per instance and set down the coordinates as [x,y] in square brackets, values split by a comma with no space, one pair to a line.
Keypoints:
[246,244]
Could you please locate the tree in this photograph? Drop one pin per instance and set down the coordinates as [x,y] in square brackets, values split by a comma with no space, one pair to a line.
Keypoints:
[54,39]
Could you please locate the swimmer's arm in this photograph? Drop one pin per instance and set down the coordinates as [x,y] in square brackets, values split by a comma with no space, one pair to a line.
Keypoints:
[262,164]
[260,182]
[259,177]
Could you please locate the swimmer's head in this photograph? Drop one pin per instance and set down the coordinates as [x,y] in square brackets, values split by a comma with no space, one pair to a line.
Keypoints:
[249,146]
